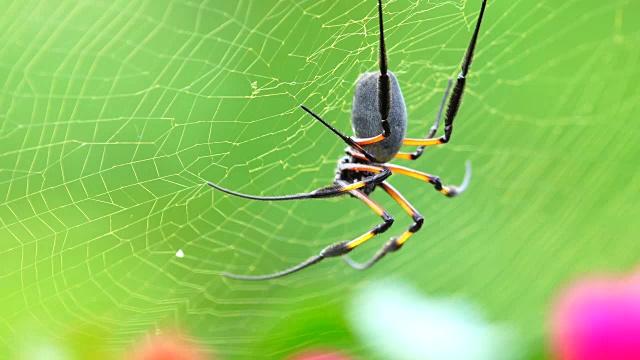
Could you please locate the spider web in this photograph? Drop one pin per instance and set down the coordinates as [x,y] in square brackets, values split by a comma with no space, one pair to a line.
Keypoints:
[113,115]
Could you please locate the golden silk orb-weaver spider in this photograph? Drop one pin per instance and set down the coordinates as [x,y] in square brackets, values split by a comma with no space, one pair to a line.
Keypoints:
[379,119]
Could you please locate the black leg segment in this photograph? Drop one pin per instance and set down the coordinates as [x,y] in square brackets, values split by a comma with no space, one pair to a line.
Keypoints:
[384,83]
[379,174]
[416,154]
[458,91]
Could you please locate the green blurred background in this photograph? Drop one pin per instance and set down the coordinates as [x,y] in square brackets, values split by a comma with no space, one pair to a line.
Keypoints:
[114,114]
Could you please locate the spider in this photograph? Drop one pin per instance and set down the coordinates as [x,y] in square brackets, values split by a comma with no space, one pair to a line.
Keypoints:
[379,119]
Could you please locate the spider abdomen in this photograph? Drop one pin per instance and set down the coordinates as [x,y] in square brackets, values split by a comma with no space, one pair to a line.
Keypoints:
[366,120]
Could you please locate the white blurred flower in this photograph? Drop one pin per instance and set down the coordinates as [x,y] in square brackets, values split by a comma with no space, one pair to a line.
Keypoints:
[399,323]
[43,351]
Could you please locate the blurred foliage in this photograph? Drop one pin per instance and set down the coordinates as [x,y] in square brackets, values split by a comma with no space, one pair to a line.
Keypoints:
[114,114]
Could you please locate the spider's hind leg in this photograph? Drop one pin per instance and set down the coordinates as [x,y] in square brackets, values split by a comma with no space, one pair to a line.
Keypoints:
[458,90]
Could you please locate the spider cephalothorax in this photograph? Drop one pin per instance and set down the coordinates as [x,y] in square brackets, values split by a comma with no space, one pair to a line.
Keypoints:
[379,119]
[351,177]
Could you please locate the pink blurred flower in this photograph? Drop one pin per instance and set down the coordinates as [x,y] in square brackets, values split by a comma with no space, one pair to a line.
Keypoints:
[167,346]
[320,355]
[598,319]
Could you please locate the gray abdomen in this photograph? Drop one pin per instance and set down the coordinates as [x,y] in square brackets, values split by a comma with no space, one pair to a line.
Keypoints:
[365,117]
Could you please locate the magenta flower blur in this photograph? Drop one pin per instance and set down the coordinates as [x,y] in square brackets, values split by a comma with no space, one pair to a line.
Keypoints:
[598,319]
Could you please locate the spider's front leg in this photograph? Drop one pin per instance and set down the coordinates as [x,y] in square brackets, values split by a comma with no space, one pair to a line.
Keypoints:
[379,175]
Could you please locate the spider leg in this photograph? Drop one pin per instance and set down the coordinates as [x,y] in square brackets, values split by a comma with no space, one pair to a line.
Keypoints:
[356,154]
[458,90]
[416,154]
[348,140]
[395,243]
[311,261]
[336,249]
[379,175]
[448,191]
